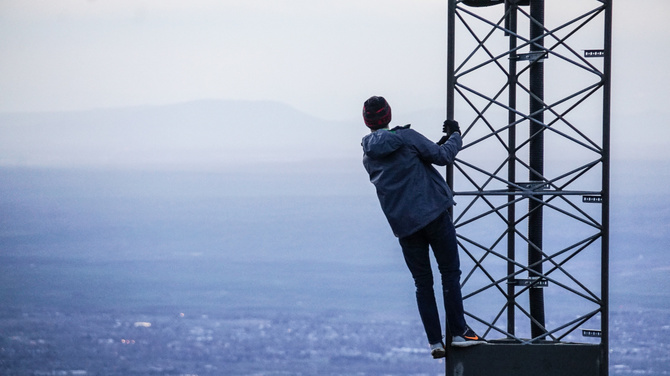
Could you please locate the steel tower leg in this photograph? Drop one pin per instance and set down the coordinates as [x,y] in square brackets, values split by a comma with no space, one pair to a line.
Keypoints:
[451,31]
[511,165]
[536,161]
[607,88]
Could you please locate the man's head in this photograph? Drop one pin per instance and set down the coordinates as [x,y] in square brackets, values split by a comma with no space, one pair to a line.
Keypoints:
[376,113]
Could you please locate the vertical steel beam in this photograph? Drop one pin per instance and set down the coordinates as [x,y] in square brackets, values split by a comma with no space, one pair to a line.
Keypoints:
[536,162]
[511,22]
[451,48]
[607,89]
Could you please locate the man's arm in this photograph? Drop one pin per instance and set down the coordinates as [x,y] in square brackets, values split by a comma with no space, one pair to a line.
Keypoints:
[431,152]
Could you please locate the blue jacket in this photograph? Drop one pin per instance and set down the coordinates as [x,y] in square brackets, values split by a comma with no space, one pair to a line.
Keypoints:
[400,164]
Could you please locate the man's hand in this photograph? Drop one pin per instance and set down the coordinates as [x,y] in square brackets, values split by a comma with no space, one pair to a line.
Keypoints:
[450,126]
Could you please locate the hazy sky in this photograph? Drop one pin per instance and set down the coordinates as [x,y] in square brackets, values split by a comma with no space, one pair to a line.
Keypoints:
[323,57]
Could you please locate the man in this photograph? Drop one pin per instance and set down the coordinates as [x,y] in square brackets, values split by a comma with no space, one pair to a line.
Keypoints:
[415,198]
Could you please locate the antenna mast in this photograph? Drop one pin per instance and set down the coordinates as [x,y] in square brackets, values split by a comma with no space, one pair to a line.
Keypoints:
[529,82]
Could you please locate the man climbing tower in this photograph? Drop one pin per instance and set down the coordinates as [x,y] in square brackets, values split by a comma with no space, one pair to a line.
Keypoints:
[415,199]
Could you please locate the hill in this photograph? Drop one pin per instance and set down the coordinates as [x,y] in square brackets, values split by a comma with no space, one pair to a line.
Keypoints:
[194,134]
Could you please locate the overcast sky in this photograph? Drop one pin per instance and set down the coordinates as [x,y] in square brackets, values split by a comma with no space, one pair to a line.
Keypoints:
[323,57]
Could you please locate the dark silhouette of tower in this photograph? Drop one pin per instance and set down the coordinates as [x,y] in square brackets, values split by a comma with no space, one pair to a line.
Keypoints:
[529,82]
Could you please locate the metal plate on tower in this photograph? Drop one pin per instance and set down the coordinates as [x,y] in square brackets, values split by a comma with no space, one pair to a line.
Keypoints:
[594,53]
[508,358]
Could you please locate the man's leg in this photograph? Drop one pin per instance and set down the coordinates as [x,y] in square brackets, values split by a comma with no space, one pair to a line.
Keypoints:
[442,237]
[416,252]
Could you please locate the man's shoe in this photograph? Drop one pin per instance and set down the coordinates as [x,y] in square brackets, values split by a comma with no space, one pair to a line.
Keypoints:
[438,351]
[469,338]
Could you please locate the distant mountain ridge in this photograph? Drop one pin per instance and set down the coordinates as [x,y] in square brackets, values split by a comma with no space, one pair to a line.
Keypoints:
[195,133]
[224,133]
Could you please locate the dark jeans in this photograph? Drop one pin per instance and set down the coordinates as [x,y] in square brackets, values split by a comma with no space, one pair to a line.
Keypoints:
[440,235]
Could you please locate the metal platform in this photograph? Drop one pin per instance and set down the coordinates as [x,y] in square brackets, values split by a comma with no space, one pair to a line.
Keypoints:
[507,358]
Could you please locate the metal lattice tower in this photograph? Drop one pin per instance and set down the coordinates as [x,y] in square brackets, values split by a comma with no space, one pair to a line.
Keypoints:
[529,82]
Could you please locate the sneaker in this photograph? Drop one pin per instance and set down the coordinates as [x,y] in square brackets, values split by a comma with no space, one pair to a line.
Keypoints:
[469,338]
[438,351]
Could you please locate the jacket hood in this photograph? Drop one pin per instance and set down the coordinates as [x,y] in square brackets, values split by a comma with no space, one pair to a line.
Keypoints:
[381,143]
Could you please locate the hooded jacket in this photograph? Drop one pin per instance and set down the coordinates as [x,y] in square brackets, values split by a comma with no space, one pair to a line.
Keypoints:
[412,193]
